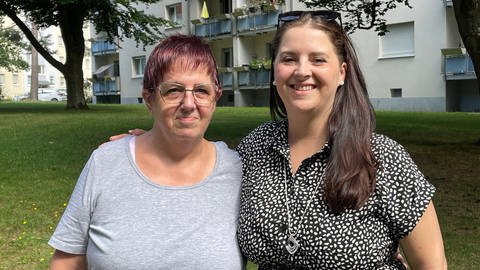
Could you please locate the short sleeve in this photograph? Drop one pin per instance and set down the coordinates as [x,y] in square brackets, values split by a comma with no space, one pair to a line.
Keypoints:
[71,234]
[403,191]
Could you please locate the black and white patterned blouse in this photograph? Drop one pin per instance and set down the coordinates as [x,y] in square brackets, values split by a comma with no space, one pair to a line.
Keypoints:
[366,238]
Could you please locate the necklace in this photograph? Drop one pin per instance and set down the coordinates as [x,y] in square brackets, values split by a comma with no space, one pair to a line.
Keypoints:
[292,244]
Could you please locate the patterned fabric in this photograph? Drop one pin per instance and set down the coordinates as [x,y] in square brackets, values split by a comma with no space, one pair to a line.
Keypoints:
[366,238]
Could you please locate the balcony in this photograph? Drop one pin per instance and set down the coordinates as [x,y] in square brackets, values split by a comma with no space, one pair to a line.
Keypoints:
[257,22]
[254,78]
[225,75]
[103,47]
[108,87]
[215,28]
[458,65]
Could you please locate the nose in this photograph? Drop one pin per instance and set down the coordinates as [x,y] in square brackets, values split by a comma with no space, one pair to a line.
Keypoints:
[303,69]
[188,101]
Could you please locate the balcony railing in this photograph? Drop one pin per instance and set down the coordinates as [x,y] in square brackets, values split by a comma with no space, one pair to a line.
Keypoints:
[214,28]
[105,88]
[458,67]
[226,79]
[254,78]
[257,21]
[103,47]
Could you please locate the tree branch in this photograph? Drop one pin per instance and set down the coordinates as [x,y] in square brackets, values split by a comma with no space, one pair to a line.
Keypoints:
[24,28]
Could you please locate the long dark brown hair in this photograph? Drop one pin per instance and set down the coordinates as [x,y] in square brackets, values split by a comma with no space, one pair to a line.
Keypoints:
[350,175]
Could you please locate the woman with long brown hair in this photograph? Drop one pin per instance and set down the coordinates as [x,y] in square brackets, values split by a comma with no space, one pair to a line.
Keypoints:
[320,189]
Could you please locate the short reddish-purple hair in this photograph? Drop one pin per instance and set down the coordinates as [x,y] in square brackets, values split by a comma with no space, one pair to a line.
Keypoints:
[190,51]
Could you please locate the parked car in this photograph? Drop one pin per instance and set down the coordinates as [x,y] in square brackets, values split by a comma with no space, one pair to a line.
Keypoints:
[20,97]
[45,94]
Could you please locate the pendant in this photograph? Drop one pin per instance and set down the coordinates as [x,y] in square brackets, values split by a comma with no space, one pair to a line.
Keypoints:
[292,244]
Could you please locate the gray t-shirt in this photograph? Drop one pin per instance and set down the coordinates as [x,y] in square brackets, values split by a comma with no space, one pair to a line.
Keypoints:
[122,220]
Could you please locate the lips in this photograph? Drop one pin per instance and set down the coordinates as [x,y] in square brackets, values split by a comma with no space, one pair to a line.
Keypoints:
[187,117]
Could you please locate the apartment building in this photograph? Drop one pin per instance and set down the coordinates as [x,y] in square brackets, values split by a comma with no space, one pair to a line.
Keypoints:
[18,83]
[419,65]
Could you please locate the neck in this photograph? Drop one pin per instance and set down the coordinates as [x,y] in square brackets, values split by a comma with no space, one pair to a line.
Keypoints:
[306,136]
[304,128]
[174,162]
[176,149]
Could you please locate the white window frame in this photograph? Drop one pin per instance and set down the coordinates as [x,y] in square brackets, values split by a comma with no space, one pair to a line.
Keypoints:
[138,66]
[15,79]
[399,41]
[2,79]
[175,16]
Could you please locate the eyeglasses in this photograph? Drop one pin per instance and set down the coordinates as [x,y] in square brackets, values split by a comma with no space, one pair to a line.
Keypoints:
[173,93]
[327,15]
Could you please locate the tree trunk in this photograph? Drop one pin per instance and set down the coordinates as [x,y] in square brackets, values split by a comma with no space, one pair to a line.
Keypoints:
[71,26]
[467,14]
[34,68]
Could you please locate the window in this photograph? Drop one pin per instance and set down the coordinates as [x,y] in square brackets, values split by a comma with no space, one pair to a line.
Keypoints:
[15,79]
[226,6]
[227,58]
[116,68]
[396,92]
[41,69]
[398,41]
[268,50]
[2,79]
[138,66]
[52,80]
[62,81]
[174,13]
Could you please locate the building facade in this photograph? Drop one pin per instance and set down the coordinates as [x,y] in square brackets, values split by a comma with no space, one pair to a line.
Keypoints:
[419,65]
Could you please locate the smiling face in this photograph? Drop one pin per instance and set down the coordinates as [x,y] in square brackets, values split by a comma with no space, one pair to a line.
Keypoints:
[307,71]
[185,120]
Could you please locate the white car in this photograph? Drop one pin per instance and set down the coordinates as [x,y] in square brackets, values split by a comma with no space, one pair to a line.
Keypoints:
[51,95]
[20,97]
[45,94]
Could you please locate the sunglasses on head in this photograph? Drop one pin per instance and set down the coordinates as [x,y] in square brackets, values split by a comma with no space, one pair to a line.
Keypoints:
[326,15]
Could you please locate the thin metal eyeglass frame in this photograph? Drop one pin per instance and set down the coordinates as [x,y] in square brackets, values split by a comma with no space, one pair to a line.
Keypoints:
[188,90]
[327,15]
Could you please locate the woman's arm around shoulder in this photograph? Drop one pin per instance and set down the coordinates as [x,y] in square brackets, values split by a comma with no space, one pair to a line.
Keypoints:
[67,261]
[423,246]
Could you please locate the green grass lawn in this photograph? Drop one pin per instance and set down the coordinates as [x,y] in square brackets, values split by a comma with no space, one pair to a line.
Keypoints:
[43,149]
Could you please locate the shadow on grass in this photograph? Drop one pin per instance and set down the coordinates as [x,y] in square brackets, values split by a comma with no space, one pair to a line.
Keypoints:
[55,107]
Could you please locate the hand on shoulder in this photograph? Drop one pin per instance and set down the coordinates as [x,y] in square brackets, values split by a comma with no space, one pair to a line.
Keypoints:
[134,132]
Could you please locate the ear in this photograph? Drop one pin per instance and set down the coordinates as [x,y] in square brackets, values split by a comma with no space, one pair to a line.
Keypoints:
[219,94]
[343,71]
[147,98]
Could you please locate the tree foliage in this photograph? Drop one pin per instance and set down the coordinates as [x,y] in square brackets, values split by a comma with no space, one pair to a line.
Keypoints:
[11,47]
[117,18]
[360,14]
